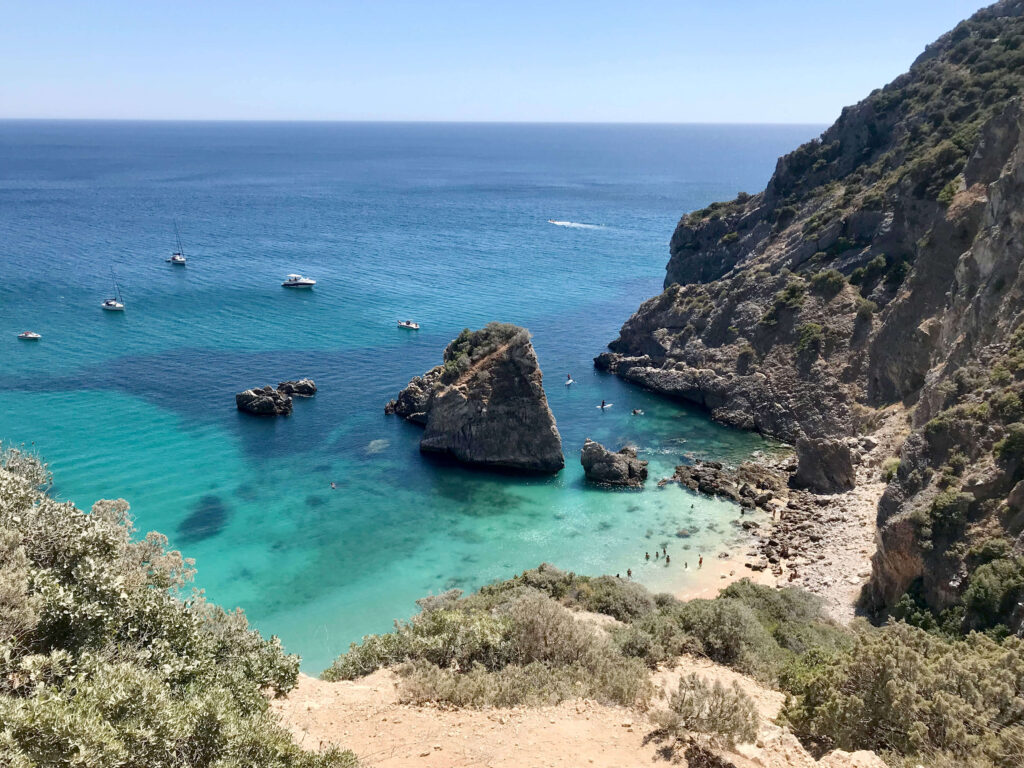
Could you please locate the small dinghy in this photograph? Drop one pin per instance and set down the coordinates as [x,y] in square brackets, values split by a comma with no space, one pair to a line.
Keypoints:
[569,381]
[297,281]
[409,324]
[29,336]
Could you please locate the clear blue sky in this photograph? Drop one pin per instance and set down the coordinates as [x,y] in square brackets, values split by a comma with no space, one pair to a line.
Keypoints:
[632,61]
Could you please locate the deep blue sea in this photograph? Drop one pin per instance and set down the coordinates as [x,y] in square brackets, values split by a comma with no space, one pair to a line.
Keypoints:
[444,223]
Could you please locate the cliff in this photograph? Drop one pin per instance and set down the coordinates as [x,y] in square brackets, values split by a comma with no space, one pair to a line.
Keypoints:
[485,405]
[880,265]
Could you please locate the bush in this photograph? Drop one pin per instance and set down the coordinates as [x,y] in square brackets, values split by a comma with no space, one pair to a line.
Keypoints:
[723,716]
[810,338]
[865,309]
[903,690]
[102,662]
[1011,447]
[889,468]
[511,645]
[828,282]
[993,593]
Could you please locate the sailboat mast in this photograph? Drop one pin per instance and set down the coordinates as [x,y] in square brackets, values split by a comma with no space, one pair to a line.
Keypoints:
[177,237]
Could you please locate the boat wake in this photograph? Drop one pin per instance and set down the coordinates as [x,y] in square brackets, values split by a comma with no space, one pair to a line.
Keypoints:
[575,224]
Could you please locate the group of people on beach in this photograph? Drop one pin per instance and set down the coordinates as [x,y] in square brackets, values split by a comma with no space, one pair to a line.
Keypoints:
[662,555]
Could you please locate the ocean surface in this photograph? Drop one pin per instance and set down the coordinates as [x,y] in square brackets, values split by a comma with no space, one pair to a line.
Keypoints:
[561,228]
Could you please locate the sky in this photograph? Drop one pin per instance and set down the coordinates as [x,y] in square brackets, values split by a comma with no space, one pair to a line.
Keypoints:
[712,61]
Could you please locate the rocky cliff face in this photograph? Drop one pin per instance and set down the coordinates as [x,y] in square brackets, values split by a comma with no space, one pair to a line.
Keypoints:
[881,264]
[485,405]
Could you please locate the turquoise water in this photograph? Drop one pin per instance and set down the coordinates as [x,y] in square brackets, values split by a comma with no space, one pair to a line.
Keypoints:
[447,224]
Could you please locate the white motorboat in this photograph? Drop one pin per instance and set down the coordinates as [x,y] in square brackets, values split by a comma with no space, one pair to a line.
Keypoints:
[298,281]
[29,336]
[115,304]
[178,257]
[409,324]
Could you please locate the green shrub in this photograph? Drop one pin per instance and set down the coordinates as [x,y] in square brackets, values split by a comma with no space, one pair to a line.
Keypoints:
[721,716]
[865,309]
[993,593]
[1011,447]
[903,690]
[810,338]
[730,237]
[828,283]
[789,298]
[889,468]
[102,662]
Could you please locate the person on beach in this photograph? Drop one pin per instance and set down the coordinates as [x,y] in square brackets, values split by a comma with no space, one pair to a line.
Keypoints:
[647,555]
[664,550]
[657,554]
[686,565]
[667,559]
[700,561]
[629,573]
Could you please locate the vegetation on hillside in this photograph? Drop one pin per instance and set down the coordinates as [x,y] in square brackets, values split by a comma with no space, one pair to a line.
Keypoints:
[103,661]
[470,347]
[897,689]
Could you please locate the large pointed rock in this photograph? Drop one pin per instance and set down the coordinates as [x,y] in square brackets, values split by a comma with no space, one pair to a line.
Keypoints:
[485,405]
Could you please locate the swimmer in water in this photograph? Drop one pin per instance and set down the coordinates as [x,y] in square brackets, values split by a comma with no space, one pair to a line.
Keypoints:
[334,485]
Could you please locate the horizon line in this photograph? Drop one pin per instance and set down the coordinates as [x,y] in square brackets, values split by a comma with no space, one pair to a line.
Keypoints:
[395,121]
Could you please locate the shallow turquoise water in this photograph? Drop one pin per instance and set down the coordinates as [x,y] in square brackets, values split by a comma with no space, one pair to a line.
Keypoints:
[446,224]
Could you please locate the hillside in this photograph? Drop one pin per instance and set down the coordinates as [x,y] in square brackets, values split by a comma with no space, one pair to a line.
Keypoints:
[880,266]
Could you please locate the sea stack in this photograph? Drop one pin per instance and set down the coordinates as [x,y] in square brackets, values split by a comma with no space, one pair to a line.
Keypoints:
[603,466]
[264,401]
[485,404]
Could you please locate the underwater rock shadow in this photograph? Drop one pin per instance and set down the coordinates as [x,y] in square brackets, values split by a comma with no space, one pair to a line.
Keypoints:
[207,519]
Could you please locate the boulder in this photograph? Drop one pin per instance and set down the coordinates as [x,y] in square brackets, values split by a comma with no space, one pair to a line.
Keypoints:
[485,405]
[264,401]
[603,466]
[823,465]
[300,388]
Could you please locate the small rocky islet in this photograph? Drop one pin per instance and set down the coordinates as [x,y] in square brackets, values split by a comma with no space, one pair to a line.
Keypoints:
[485,404]
[267,401]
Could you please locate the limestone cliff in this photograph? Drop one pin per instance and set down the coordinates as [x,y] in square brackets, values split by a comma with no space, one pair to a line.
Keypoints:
[485,404]
[881,264]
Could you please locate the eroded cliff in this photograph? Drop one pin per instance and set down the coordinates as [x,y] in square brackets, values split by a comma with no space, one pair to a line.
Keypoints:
[880,265]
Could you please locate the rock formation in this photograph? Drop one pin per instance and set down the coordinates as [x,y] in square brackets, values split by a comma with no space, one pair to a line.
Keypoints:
[621,468]
[264,401]
[300,388]
[824,465]
[879,268]
[485,405]
[751,484]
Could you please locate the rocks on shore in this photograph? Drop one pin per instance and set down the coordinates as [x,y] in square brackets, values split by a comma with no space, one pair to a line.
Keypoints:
[264,401]
[299,388]
[751,484]
[824,465]
[485,405]
[619,468]
[267,401]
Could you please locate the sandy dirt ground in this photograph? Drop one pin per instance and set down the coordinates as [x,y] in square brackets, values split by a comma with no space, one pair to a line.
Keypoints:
[367,717]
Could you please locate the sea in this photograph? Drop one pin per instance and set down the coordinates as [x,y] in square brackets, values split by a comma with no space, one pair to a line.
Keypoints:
[563,229]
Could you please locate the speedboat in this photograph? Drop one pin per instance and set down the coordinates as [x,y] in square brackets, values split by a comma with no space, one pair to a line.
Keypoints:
[29,336]
[177,258]
[409,324]
[298,281]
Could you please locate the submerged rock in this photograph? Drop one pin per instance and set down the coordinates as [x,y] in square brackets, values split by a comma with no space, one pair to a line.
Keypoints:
[603,466]
[300,388]
[824,465]
[264,401]
[485,405]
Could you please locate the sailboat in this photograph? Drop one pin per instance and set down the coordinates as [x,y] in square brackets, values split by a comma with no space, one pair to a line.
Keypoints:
[116,304]
[178,257]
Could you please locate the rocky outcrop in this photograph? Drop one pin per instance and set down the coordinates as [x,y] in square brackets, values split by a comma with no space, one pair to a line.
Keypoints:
[299,388]
[750,485]
[620,468]
[485,405]
[880,266]
[824,465]
[264,401]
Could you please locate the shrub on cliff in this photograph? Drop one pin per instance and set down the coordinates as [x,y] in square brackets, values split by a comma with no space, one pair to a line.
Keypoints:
[902,690]
[507,647]
[828,282]
[104,662]
[721,716]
